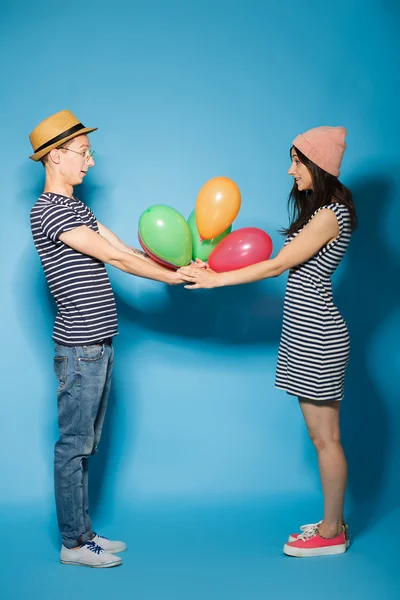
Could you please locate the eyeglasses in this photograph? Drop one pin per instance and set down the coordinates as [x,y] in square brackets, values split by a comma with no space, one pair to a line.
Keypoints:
[86,154]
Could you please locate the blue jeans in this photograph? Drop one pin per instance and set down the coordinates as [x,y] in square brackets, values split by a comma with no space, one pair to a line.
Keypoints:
[84,380]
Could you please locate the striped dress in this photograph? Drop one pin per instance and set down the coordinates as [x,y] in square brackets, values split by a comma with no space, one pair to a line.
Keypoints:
[315,345]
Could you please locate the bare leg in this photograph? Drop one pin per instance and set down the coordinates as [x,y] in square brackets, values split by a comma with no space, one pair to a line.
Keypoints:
[322,420]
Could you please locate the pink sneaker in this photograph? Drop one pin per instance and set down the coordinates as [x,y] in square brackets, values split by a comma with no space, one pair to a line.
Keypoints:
[310,543]
[294,536]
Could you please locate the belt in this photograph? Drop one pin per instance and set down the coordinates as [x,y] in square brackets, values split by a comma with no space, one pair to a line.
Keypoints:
[105,341]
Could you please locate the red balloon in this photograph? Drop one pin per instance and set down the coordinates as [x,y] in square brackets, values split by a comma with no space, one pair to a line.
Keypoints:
[241,248]
[154,257]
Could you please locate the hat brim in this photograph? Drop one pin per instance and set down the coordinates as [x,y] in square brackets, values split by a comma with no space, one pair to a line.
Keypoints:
[38,155]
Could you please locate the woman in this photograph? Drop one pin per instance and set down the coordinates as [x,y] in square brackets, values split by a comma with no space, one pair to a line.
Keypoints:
[314,347]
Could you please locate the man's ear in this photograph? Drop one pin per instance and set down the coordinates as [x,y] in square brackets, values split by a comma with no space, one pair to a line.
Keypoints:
[55,155]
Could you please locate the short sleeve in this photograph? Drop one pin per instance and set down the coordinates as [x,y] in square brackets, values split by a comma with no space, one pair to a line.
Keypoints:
[57,219]
[338,209]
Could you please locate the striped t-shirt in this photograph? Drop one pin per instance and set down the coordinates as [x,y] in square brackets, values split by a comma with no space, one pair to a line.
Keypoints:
[78,283]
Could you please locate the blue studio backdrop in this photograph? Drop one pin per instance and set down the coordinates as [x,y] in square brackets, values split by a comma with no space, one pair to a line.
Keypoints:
[182,92]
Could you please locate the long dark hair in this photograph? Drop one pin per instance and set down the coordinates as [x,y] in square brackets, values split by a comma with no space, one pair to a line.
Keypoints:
[327,189]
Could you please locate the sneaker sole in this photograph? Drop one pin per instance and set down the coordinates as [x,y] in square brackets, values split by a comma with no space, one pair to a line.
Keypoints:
[293,539]
[101,566]
[302,553]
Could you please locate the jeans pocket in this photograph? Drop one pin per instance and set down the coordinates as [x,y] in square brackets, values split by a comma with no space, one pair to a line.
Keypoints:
[92,353]
[60,369]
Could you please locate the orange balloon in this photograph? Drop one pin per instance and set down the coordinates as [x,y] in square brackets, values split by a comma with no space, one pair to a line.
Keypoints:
[217,206]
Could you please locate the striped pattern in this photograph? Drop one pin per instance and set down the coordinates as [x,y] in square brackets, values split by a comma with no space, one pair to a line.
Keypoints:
[78,283]
[315,345]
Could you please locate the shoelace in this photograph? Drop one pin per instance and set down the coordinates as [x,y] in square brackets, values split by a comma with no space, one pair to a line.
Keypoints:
[309,526]
[308,532]
[93,547]
[103,537]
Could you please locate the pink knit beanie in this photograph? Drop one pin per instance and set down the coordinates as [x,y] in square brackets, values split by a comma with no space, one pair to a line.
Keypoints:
[324,146]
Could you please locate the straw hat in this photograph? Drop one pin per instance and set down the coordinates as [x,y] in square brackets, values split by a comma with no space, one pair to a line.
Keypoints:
[54,131]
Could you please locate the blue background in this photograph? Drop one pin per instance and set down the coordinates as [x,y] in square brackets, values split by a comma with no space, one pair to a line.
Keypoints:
[204,467]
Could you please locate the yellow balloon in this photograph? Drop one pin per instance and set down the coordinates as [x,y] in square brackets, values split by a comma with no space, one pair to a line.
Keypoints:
[217,206]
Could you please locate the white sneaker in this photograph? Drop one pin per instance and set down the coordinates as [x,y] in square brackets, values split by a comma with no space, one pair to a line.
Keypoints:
[109,545]
[89,555]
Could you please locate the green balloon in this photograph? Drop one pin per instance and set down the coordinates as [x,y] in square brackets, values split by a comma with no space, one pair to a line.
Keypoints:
[203,249]
[166,234]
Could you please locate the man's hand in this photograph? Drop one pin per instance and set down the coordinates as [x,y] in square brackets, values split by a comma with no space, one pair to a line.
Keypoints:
[178,277]
[175,278]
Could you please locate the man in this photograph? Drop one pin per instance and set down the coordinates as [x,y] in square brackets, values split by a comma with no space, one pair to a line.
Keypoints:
[73,247]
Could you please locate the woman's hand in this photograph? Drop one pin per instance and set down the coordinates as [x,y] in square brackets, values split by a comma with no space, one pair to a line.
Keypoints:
[199,264]
[200,277]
